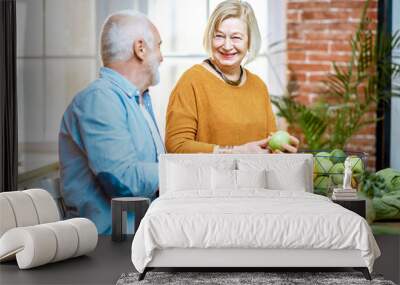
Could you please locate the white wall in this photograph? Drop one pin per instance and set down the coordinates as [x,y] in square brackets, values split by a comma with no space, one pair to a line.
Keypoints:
[277,65]
[56,57]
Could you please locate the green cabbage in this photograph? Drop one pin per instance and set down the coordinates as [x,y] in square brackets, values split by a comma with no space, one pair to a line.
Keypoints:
[388,206]
[391,177]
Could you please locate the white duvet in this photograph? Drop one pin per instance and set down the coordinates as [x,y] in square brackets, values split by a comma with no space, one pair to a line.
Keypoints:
[253,218]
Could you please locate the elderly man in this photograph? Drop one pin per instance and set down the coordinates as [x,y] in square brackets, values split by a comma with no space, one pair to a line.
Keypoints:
[109,141]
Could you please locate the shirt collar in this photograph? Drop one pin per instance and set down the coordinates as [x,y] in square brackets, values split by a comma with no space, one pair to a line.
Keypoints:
[123,83]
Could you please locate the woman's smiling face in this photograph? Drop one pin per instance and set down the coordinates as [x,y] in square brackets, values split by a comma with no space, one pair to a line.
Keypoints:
[230,43]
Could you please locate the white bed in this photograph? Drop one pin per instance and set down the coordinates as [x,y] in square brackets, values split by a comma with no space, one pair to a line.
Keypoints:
[247,211]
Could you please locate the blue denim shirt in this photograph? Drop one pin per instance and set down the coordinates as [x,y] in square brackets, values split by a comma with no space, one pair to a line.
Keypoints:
[106,148]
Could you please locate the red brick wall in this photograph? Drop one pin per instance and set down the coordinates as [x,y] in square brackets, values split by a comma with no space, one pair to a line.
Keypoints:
[317,34]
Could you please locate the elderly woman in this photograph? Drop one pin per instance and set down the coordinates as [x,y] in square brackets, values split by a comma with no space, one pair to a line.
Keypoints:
[219,106]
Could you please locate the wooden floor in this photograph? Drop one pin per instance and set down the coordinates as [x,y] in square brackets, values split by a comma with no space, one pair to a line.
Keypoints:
[110,260]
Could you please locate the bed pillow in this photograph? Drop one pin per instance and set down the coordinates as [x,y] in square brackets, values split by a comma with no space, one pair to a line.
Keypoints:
[293,180]
[223,179]
[236,179]
[188,177]
[251,178]
[284,171]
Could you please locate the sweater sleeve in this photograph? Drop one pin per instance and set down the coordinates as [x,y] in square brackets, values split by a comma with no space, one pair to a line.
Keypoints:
[271,122]
[182,120]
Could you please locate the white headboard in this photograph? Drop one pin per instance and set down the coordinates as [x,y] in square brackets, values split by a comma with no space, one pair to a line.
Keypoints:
[282,161]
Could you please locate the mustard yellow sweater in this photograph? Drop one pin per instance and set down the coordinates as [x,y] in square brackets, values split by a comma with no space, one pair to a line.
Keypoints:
[204,111]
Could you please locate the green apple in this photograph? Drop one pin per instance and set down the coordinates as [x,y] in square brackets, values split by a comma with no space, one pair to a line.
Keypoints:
[337,155]
[336,172]
[321,182]
[321,191]
[357,166]
[323,154]
[279,139]
[322,164]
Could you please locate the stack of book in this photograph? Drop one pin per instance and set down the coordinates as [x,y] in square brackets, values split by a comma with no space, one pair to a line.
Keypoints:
[344,194]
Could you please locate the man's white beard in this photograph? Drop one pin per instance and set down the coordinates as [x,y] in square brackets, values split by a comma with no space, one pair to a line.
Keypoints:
[155,73]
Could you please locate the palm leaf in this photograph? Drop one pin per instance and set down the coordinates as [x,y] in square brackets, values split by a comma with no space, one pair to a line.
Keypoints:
[313,128]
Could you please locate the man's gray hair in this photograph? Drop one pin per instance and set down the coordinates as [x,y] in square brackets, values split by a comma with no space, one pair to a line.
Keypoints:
[119,32]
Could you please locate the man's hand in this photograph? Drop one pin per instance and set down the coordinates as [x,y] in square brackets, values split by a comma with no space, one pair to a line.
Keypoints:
[252,147]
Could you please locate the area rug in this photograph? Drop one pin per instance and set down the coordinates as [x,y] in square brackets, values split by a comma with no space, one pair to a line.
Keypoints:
[243,278]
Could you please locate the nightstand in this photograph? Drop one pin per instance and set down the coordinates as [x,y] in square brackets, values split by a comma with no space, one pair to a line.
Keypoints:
[119,207]
[356,205]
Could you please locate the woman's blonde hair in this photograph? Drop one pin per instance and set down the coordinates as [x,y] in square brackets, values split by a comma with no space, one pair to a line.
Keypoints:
[234,9]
